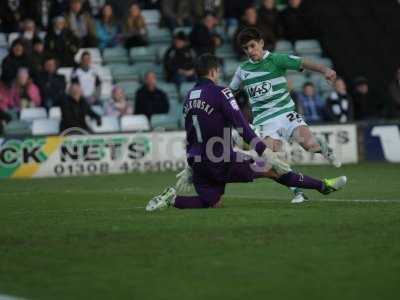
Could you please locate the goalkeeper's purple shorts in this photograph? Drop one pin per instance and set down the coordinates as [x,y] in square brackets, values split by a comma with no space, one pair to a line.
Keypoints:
[210,178]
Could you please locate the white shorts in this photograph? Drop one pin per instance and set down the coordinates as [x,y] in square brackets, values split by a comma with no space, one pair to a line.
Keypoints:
[281,127]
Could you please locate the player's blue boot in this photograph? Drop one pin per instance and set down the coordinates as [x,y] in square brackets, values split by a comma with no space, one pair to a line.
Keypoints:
[334,184]
[162,201]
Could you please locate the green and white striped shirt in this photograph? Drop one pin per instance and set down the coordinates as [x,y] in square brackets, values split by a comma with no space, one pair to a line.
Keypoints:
[266,86]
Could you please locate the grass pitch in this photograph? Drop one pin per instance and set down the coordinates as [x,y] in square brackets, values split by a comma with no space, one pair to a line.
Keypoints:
[89,238]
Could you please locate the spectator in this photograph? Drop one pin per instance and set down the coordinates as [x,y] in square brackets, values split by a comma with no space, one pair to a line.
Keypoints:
[203,37]
[118,105]
[234,10]
[4,118]
[16,59]
[81,24]
[134,28]
[394,90]
[24,92]
[61,43]
[294,22]
[38,56]
[28,35]
[176,13]
[39,12]
[106,28]
[74,110]
[269,23]
[52,86]
[6,102]
[364,103]
[150,99]
[11,14]
[249,19]
[88,79]
[179,60]
[339,103]
[58,8]
[202,7]
[310,104]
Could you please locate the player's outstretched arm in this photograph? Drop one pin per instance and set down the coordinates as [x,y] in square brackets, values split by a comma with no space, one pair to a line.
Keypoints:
[329,74]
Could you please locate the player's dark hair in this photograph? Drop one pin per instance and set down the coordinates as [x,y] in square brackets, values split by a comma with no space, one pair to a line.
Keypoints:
[205,63]
[248,34]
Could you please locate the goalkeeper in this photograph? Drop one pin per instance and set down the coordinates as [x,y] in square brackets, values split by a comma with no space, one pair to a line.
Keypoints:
[210,112]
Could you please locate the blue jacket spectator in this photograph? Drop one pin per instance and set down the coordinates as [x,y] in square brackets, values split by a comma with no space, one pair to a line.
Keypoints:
[106,28]
[311,104]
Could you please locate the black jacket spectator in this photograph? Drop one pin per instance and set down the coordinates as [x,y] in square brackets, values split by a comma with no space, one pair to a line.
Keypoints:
[294,22]
[61,43]
[202,37]
[394,90]
[52,86]
[11,14]
[75,109]
[339,104]
[151,100]
[365,104]
[179,60]
[269,23]
[14,60]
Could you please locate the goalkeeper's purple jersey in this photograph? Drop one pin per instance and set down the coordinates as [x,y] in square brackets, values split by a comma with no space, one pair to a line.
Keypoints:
[210,111]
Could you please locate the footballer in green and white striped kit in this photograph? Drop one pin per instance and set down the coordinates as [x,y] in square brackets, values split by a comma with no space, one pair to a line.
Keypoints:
[262,77]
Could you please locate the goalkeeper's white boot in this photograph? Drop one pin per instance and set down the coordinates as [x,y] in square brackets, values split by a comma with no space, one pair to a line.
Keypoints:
[162,201]
[328,153]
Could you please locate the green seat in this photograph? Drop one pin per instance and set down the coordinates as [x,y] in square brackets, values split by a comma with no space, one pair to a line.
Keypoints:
[130,88]
[17,128]
[226,52]
[185,88]
[124,72]
[115,55]
[284,46]
[141,68]
[165,121]
[304,47]
[159,35]
[230,68]
[297,81]
[144,54]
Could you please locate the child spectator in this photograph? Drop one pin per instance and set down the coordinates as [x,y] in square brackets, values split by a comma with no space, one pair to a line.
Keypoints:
[339,103]
[310,104]
[24,92]
[118,105]
[106,28]
[179,60]
[150,99]
[134,28]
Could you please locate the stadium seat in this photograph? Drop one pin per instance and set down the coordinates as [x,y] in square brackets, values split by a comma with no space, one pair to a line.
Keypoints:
[66,71]
[135,123]
[304,47]
[104,73]
[106,89]
[55,113]
[98,109]
[141,68]
[30,114]
[12,37]
[3,40]
[109,124]
[169,88]
[230,67]
[161,50]
[159,35]
[320,83]
[46,127]
[124,72]
[297,80]
[144,54]
[226,52]
[164,121]
[186,29]
[284,46]
[151,16]
[130,88]
[94,53]
[185,87]
[17,128]
[115,55]
[3,53]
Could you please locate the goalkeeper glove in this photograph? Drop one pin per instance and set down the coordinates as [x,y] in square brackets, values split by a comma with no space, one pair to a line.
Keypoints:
[277,164]
[185,180]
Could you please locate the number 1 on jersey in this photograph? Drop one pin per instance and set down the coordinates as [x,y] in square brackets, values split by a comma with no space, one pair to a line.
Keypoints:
[197,127]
